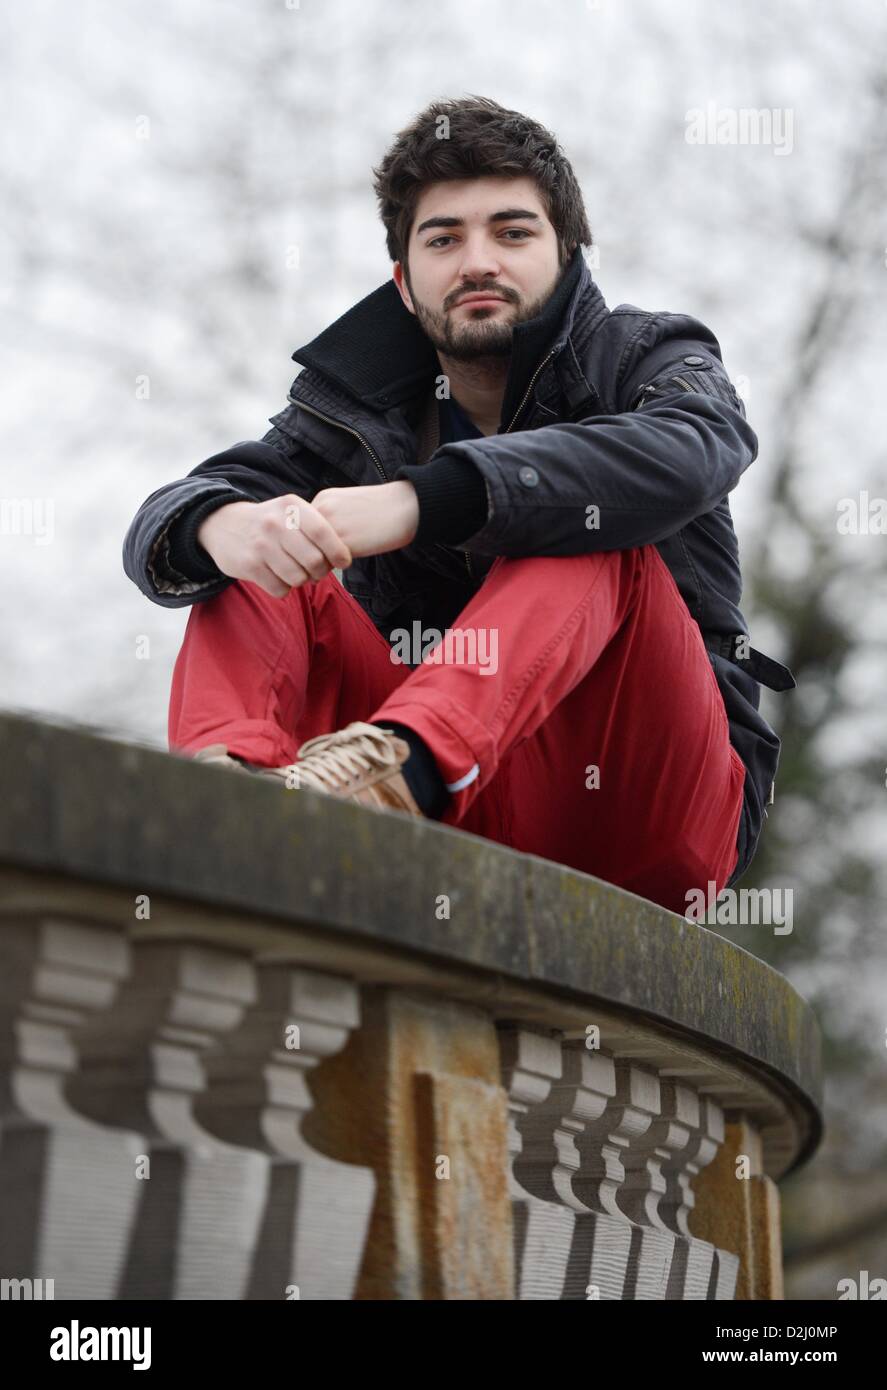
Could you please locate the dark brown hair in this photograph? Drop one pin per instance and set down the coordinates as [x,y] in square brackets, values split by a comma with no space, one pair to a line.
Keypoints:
[474,137]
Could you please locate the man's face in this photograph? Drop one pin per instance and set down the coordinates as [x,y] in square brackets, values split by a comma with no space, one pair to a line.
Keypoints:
[474,235]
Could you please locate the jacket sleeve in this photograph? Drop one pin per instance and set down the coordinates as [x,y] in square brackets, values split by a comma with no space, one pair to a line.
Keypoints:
[160,551]
[678,442]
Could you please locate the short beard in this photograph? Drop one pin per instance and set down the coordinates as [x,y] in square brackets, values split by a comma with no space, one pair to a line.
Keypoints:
[477,340]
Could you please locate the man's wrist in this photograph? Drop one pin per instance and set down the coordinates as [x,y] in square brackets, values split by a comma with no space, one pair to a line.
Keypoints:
[408,503]
[186,554]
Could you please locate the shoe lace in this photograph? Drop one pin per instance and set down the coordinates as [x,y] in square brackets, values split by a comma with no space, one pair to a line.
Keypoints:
[331,760]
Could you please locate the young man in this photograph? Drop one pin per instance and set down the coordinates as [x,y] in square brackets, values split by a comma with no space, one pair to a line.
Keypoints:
[493,457]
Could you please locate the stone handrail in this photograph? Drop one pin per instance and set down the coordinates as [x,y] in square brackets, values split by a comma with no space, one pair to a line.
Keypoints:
[262,1044]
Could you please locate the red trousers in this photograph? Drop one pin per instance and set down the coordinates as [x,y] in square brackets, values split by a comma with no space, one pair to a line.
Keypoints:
[597,738]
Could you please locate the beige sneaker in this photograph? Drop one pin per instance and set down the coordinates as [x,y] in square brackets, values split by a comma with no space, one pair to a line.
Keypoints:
[218,756]
[217,753]
[358,763]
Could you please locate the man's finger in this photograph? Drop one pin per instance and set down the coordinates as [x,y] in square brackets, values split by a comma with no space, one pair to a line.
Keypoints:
[297,548]
[321,532]
[270,582]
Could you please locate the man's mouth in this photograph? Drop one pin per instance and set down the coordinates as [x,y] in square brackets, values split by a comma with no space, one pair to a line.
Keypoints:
[480,299]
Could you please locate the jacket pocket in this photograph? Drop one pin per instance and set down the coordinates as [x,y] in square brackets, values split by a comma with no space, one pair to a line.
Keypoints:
[708,379]
[334,447]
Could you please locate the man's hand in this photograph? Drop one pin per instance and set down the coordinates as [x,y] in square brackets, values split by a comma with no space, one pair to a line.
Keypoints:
[371,520]
[278,545]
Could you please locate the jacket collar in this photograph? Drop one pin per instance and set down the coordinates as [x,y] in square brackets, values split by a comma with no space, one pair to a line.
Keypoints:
[377,352]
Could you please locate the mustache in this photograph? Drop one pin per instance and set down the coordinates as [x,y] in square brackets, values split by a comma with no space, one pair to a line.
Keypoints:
[510,296]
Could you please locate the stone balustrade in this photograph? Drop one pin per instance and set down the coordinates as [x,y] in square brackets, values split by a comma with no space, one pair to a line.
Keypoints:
[262,1044]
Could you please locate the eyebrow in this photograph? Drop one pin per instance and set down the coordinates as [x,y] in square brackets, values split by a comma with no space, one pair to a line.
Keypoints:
[506,215]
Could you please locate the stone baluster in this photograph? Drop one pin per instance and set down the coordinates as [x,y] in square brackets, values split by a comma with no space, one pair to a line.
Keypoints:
[691,1131]
[67,1195]
[553,1136]
[317,1210]
[200,1201]
[543,1231]
[619,1175]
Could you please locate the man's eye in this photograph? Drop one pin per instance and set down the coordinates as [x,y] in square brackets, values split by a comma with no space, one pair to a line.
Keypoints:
[520,233]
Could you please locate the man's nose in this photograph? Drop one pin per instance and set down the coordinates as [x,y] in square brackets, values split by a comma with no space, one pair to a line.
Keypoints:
[479,265]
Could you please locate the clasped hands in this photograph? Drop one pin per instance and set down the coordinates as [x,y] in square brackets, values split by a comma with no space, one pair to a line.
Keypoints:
[285,542]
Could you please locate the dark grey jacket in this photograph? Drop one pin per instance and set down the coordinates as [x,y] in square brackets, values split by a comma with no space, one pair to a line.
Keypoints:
[625,410]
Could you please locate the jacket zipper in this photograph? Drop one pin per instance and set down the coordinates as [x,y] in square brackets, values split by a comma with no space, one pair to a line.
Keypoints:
[645,391]
[338,423]
[529,389]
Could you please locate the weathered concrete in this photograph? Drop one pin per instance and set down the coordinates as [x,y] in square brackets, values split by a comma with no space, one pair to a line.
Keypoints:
[78,805]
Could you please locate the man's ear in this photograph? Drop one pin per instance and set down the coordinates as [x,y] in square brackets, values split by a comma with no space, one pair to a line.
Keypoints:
[565,253]
[401,283]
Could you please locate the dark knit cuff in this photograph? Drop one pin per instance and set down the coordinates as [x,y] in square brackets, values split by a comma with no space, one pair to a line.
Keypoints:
[185,553]
[452,499]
